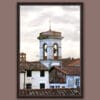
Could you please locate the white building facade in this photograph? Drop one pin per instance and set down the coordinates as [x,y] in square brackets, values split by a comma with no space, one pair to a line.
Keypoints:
[71,82]
[34,81]
[60,78]
[33,75]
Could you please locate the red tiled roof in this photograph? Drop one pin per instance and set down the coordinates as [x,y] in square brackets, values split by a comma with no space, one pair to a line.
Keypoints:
[59,69]
[35,66]
[74,63]
[66,61]
[68,70]
[50,92]
[73,70]
[71,66]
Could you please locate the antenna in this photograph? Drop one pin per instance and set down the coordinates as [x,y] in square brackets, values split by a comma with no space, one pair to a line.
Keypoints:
[49,24]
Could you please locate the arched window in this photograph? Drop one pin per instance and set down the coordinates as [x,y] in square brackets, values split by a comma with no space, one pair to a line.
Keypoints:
[44,51]
[55,51]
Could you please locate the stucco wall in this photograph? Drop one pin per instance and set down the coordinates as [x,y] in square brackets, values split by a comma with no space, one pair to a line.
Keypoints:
[71,81]
[50,43]
[35,80]
[49,63]
[21,81]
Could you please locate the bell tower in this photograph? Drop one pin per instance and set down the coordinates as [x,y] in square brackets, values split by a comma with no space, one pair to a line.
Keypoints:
[50,48]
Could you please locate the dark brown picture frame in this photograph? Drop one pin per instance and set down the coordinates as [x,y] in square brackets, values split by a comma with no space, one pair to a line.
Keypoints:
[81,46]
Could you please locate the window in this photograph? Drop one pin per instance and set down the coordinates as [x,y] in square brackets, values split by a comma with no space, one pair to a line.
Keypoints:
[63,87]
[29,86]
[71,82]
[42,85]
[52,87]
[45,51]
[29,73]
[77,82]
[42,73]
[55,51]
[57,87]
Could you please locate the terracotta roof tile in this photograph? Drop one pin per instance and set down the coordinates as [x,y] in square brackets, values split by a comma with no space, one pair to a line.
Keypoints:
[74,63]
[73,70]
[59,69]
[50,92]
[68,70]
[70,62]
[36,66]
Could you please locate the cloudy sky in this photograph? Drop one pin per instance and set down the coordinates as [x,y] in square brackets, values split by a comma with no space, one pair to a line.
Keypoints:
[35,19]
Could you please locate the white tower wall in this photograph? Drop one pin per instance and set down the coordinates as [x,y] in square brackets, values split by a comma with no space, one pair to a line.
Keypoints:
[50,43]
[50,58]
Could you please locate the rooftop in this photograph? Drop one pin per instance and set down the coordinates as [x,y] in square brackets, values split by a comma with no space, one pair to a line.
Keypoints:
[50,34]
[68,70]
[75,62]
[70,62]
[69,66]
[50,92]
[36,66]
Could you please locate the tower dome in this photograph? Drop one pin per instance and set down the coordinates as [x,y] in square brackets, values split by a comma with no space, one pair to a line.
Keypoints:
[50,35]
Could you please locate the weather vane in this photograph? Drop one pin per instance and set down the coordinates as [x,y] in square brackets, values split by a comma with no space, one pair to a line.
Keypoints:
[49,24]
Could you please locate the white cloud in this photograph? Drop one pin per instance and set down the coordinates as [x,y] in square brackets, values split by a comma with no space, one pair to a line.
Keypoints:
[35,19]
[70,49]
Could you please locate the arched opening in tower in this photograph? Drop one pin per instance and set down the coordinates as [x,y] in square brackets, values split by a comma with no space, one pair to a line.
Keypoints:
[55,51]
[45,51]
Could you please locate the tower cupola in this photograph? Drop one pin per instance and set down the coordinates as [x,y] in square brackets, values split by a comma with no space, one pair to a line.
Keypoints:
[50,47]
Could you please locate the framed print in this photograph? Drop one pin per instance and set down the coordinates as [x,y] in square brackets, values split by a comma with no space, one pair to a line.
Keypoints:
[50,50]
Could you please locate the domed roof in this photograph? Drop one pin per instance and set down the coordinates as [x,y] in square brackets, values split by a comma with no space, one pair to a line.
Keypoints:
[50,34]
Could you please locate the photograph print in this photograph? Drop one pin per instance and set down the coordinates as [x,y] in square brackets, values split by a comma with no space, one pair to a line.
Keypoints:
[49,50]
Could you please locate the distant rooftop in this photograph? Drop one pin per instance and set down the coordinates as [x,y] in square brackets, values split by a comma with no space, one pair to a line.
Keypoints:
[70,62]
[70,66]
[67,70]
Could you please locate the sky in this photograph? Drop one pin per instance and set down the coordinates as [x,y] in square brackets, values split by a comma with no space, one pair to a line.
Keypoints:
[36,19]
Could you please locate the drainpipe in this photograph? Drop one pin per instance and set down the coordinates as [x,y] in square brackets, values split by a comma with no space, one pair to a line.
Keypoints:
[24,80]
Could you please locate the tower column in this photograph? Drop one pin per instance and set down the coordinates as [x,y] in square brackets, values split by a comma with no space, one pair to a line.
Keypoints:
[59,54]
[50,52]
[41,53]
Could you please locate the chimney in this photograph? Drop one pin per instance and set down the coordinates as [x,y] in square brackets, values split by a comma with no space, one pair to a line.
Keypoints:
[73,59]
[22,57]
